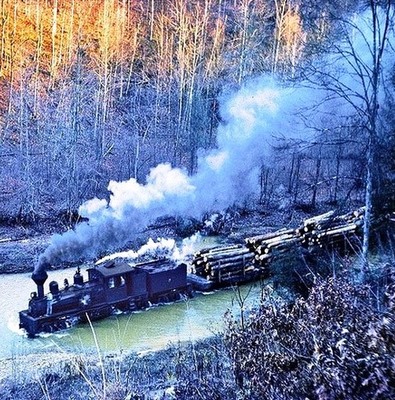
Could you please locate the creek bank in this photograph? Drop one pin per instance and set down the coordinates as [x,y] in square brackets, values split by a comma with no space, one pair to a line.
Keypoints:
[21,244]
[175,372]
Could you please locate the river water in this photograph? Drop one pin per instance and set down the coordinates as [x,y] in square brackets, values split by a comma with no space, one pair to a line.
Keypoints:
[147,330]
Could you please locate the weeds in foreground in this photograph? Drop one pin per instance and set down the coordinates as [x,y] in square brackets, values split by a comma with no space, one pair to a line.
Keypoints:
[336,343]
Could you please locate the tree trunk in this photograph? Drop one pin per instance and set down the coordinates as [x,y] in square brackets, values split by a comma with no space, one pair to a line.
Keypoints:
[316,179]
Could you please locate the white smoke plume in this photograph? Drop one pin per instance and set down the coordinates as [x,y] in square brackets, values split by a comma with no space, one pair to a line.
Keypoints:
[161,248]
[226,175]
[255,114]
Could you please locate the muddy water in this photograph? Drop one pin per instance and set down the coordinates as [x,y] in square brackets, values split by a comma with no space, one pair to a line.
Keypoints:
[151,329]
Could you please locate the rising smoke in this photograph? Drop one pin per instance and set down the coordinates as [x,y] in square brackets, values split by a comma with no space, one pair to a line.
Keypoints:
[161,248]
[253,117]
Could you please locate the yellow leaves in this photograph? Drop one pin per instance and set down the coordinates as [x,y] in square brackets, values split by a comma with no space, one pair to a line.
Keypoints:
[289,35]
[187,38]
[292,25]
[111,27]
[46,35]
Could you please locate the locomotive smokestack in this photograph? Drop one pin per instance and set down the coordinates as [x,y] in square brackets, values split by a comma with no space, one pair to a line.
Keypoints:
[39,277]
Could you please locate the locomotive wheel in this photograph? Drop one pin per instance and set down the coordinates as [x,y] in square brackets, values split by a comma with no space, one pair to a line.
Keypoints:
[48,328]
[143,305]
[163,299]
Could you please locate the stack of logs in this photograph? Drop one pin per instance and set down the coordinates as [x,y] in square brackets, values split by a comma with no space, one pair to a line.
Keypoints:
[330,229]
[279,242]
[228,264]
[240,263]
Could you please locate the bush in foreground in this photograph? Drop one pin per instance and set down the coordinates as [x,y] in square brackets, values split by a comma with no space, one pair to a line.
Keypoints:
[339,343]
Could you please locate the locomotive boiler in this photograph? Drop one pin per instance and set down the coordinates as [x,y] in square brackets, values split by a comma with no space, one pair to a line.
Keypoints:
[114,285]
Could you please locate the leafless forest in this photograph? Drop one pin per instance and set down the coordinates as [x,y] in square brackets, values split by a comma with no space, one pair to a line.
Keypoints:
[93,91]
[125,111]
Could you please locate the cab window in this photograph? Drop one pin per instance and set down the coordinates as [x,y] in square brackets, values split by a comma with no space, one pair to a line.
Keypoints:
[116,281]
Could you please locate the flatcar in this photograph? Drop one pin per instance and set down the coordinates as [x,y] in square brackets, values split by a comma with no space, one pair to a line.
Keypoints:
[114,285]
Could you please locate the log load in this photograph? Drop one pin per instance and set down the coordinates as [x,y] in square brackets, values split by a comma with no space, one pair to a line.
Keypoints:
[229,264]
[253,242]
[331,229]
[239,263]
[273,244]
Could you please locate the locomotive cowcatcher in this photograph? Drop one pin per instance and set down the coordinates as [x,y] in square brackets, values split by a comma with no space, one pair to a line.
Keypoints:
[113,285]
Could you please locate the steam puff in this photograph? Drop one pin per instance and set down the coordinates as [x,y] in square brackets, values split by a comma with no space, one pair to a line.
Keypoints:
[162,247]
[225,175]
[163,182]
[130,208]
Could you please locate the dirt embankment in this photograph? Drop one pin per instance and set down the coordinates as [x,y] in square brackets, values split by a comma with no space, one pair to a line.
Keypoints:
[20,248]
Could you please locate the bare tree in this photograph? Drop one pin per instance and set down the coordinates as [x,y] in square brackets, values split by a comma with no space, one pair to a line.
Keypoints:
[359,84]
[288,38]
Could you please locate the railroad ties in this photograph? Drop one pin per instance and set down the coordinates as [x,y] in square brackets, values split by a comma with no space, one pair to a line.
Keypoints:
[239,263]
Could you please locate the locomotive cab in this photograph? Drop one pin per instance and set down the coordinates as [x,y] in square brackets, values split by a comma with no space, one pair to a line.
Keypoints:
[120,281]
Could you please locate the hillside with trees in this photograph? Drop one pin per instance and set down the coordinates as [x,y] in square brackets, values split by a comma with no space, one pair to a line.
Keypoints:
[116,113]
[93,91]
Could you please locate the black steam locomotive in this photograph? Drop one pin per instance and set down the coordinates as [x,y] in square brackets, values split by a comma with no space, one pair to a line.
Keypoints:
[110,286]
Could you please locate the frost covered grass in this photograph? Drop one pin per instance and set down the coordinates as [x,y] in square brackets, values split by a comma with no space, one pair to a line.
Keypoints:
[177,372]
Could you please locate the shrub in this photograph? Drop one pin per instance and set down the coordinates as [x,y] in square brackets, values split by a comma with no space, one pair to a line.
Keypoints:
[332,345]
